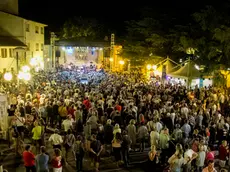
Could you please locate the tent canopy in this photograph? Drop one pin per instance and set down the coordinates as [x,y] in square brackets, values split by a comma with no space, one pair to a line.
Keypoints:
[187,71]
[170,65]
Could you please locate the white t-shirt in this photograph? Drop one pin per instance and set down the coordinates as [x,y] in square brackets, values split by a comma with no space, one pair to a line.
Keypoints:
[188,155]
[56,139]
[67,124]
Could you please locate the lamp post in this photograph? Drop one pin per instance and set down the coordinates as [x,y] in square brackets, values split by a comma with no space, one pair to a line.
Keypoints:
[8,76]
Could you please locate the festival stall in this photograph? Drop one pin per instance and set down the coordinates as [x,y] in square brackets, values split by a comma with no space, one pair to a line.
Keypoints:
[189,75]
[167,65]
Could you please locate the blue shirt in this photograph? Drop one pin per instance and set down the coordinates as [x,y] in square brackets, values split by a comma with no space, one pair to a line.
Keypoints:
[42,161]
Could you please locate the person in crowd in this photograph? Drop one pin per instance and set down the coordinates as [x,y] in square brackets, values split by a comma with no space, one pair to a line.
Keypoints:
[56,139]
[200,160]
[95,150]
[57,161]
[63,113]
[131,129]
[20,121]
[189,156]
[142,134]
[108,132]
[177,134]
[154,137]
[29,159]
[125,145]
[69,141]
[176,160]
[42,160]
[116,145]
[79,151]
[223,153]
[163,144]
[37,133]
[210,167]
[153,159]
[116,130]
[67,123]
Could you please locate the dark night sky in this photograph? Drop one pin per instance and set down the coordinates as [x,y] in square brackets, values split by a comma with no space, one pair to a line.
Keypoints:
[110,13]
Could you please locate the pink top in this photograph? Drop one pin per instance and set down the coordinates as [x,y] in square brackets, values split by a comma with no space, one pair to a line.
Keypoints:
[210,156]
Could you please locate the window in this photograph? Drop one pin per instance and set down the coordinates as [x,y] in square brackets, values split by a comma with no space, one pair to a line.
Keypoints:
[37,47]
[27,27]
[42,46]
[28,46]
[42,30]
[11,52]
[3,52]
[36,29]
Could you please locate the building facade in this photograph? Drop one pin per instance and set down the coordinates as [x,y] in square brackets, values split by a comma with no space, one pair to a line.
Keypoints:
[20,39]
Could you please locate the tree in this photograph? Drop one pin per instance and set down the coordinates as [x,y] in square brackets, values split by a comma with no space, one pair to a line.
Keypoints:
[213,45]
[147,41]
[79,27]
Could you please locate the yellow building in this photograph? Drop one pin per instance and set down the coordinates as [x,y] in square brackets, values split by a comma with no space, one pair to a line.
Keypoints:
[19,38]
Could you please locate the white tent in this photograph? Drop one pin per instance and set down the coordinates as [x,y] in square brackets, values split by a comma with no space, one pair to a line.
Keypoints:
[188,71]
[169,64]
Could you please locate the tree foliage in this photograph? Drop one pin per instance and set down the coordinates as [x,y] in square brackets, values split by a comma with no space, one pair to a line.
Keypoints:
[207,34]
[213,45]
[146,39]
[79,27]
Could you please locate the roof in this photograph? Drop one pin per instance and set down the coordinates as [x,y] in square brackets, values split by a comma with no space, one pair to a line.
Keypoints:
[82,43]
[170,66]
[186,70]
[11,41]
[23,18]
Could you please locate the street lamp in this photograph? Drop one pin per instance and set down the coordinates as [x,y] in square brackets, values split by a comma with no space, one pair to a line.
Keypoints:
[25,68]
[24,75]
[121,62]
[149,66]
[20,75]
[27,76]
[33,61]
[8,76]
[111,59]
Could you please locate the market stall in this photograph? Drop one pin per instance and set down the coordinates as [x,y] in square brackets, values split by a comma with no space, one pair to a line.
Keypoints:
[191,76]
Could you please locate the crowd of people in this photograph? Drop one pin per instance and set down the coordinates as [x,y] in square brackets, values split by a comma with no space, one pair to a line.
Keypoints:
[186,129]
